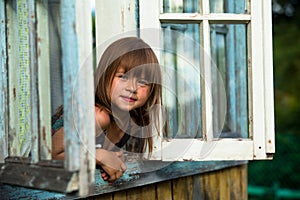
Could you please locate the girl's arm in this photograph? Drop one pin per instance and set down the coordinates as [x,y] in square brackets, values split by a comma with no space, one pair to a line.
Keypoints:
[58,145]
[111,162]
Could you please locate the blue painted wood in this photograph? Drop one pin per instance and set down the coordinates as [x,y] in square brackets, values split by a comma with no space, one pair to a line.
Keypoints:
[70,62]
[16,192]
[3,86]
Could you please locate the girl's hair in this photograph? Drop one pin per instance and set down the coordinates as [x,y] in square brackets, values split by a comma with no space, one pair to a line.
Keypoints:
[131,52]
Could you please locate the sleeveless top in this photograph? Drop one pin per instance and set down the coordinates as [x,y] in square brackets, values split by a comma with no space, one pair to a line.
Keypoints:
[131,142]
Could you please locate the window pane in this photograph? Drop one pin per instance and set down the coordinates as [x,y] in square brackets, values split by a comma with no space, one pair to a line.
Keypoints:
[229,6]
[179,6]
[181,86]
[229,53]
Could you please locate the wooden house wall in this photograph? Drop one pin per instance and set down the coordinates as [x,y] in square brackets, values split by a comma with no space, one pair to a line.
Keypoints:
[228,183]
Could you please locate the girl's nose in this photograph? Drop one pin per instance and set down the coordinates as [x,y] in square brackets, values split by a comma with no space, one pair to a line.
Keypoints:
[131,85]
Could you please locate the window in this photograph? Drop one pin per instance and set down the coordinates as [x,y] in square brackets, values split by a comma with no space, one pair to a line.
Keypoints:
[220,54]
[218,86]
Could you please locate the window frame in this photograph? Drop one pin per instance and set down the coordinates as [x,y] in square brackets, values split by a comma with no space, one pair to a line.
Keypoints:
[37,170]
[261,141]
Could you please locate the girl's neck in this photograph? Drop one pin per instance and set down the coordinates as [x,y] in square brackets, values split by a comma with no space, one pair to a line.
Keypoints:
[114,134]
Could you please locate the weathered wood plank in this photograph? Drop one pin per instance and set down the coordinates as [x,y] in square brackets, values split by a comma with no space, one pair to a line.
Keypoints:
[209,190]
[12,54]
[33,176]
[200,182]
[43,62]
[229,183]
[179,189]
[78,92]
[104,197]
[224,183]
[33,80]
[70,62]
[3,86]
[84,93]
[124,20]
[238,181]
[164,190]
[148,192]
[197,187]
[121,195]
[134,194]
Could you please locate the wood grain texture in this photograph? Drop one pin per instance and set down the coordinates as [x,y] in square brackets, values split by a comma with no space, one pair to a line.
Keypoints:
[228,183]
[164,190]
[3,86]
[39,177]
[43,62]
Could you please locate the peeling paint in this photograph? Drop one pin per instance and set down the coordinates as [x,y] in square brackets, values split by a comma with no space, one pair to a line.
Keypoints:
[14,93]
[122,19]
[44,133]
[269,141]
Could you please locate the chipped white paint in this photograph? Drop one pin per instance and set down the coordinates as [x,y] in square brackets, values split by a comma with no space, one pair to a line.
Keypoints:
[84,92]
[200,150]
[112,19]
[43,62]
[268,75]
[260,84]
[225,18]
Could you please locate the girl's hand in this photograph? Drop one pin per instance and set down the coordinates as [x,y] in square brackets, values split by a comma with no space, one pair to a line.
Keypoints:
[112,164]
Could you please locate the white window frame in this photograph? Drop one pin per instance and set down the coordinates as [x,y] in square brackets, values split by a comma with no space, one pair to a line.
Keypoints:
[261,141]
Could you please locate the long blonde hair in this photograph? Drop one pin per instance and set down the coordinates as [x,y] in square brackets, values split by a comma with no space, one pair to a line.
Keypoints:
[131,52]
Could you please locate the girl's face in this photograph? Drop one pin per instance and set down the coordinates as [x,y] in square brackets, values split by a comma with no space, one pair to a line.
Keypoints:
[129,92]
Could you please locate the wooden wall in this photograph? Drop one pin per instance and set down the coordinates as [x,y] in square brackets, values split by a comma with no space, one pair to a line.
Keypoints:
[228,183]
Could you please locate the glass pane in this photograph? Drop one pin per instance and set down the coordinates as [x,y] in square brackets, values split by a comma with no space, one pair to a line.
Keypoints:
[229,53]
[179,6]
[181,89]
[228,6]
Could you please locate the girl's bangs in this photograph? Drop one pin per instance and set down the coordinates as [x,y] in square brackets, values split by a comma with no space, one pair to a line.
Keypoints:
[142,63]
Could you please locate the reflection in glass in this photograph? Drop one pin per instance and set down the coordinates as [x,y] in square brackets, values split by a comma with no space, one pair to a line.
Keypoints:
[222,6]
[179,6]
[181,93]
[229,53]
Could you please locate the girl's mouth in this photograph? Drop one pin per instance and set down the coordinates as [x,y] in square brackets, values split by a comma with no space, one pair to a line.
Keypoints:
[128,99]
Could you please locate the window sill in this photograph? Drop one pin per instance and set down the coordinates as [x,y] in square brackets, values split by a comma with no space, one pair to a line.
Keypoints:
[136,175]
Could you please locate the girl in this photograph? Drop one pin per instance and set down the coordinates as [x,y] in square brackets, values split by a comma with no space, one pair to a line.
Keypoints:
[128,88]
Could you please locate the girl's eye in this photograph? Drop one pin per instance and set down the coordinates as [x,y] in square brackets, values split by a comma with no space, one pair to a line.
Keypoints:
[143,82]
[123,77]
